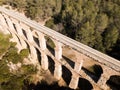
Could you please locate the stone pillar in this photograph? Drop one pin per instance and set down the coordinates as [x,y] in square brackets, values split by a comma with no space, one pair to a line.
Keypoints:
[20,33]
[30,40]
[102,82]
[78,65]
[44,58]
[58,56]
[13,32]
[4,27]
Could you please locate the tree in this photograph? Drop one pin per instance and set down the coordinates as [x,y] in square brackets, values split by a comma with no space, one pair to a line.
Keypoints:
[42,9]
[19,4]
[98,43]
[101,22]
[71,18]
[12,76]
[86,34]
[110,37]
[4,45]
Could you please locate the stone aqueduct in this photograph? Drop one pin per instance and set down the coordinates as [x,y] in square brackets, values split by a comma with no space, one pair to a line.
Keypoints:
[26,32]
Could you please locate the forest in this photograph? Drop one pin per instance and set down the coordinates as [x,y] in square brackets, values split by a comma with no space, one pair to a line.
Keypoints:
[95,23]
[14,75]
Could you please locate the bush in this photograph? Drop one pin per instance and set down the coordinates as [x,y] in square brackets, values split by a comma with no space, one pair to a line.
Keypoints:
[24,53]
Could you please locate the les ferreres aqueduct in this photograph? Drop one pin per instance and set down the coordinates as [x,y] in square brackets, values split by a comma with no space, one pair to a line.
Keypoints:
[29,34]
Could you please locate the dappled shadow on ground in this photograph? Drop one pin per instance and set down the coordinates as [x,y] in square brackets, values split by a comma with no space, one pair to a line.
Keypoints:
[69,61]
[96,74]
[84,84]
[114,82]
[66,75]
[44,86]
[51,65]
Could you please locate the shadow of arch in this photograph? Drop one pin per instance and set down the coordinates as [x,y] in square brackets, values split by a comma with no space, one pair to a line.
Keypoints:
[36,40]
[71,63]
[44,86]
[94,72]
[84,84]
[24,33]
[114,82]
[14,25]
[51,65]
[19,40]
[28,46]
[38,56]
[66,75]
[98,71]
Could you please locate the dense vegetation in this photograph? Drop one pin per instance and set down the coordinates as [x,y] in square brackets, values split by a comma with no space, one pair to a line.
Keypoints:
[13,79]
[93,22]
[36,9]
[17,75]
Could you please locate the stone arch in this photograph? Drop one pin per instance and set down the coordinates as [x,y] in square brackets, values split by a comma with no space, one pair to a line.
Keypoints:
[43,49]
[84,84]
[94,72]
[55,49]
[114,82]
[50,45]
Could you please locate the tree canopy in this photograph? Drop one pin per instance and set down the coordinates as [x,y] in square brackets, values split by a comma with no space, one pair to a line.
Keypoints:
[10,58]
[95,23]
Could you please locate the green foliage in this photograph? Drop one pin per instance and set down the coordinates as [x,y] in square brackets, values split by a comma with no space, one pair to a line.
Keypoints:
[19,4]
[101,22]
[50,23]
[42,9]
[14,83]
[50,43]
[94,23]
[13,80]
[36,9]
[28,69]
[86,21]
[4,72]
[4,45]
[98,42]
[110,37]
[24,53]
[86,34]
[12,55]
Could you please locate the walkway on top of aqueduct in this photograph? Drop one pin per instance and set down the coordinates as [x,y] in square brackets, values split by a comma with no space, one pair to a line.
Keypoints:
[11,21]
